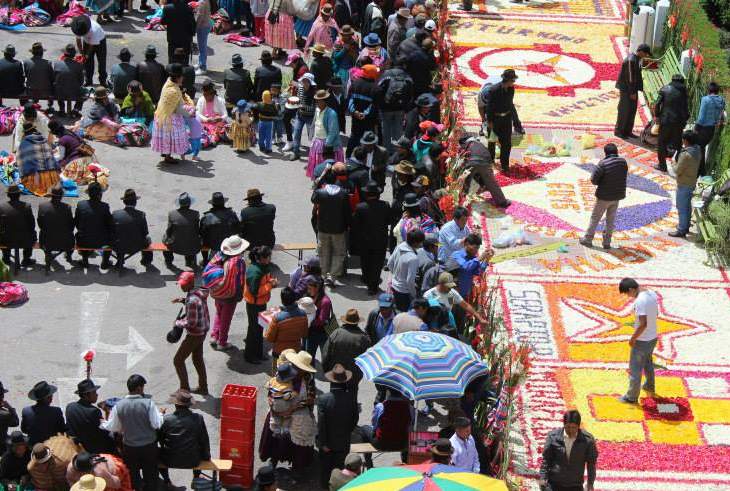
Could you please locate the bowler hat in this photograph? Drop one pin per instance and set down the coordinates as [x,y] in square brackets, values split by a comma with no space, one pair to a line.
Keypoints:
[265,476]
[442,447]
[86,386]
[410,200]
[338,374]
[369,138]
[124,54]
[94,188]
[352,316]
[37,48]
[9,50]
[266,55]
[236,60]
[184,200]
[509,74]
[424,100]
[217,199]
[335,82]
[347,30]
[461,422]
[253,193]
[41,390]
[13,190]
[129,195]
[677,77]
[150,50]
[372,39]
[373,188]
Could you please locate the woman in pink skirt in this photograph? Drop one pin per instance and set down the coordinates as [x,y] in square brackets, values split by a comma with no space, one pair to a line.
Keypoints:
[326,133]
[170,133]
[279,29]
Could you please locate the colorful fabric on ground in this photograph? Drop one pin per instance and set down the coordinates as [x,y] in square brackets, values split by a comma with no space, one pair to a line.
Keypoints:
[424,477]
[422,365]
[565,303]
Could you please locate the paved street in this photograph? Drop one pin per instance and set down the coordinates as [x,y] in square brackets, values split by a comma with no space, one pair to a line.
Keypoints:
[127,318]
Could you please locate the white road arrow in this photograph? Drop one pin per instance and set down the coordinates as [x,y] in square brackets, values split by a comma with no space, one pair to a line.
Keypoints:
[136,349]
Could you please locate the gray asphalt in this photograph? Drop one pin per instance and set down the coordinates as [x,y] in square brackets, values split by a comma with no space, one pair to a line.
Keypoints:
[71,307]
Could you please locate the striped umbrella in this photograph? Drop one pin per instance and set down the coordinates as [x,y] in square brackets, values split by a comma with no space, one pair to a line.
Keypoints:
[422,365]
[423,477]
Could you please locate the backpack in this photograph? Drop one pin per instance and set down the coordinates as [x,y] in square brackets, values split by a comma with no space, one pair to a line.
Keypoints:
[397,93]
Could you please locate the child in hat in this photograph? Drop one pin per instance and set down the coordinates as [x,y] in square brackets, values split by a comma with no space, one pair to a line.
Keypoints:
[280,389]
[267,113]
[240,132]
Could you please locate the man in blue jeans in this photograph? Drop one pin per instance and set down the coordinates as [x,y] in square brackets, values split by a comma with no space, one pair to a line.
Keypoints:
[643,341]
[686,168]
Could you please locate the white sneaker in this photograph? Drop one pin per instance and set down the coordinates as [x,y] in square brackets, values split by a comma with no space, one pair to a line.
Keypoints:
[287,147]
[200,71]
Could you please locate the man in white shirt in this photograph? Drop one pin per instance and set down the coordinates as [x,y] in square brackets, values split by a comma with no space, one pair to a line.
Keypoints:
[90,41]
[643,341]
[465,454]
[136,417]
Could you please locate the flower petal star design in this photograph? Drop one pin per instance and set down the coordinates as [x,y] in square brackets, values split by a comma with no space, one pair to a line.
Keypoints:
[611,325]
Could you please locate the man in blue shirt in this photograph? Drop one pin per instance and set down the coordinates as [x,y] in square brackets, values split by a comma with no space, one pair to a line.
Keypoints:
[452,234]
[711,115]
[380,320]
[468,263]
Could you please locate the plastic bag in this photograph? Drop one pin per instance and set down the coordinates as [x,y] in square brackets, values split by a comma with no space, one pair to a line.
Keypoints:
[12,294]
[511,238]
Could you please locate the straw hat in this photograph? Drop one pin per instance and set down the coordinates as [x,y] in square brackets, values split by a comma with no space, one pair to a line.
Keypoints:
[234,245]
[322,95]
[301,360]
[89,482]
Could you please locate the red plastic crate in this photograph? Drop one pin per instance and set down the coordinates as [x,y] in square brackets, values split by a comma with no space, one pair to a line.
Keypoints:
[238,475]
[238,430]
[237,401]
[241,453]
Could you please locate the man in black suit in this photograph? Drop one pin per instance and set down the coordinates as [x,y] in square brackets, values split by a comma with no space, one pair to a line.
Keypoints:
[183,232]
[266,74]
[257,220]
[41,420]
[17,226]
[56,223]
[131,234]
[178,17]
[217,224]
[629,84]
[370,226]
[94,225]
[151,74]
[184,441]
[338,101]
[375,157]
[83,419]
[237,82]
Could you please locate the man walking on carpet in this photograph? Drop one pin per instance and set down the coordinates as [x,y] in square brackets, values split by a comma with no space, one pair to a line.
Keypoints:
[644,339]
[609,177]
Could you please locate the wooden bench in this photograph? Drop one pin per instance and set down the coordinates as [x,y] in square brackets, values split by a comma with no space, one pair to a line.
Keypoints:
[368,448]
[658,72]
[286,248]
[214,466]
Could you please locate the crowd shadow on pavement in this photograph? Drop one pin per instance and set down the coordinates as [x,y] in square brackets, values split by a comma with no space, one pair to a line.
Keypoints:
[201,168]
[64,274]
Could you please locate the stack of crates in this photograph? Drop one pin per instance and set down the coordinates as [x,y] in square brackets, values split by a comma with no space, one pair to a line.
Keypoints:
[238,429]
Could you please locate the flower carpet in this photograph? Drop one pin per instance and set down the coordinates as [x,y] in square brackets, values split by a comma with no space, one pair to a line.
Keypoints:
[564,301]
